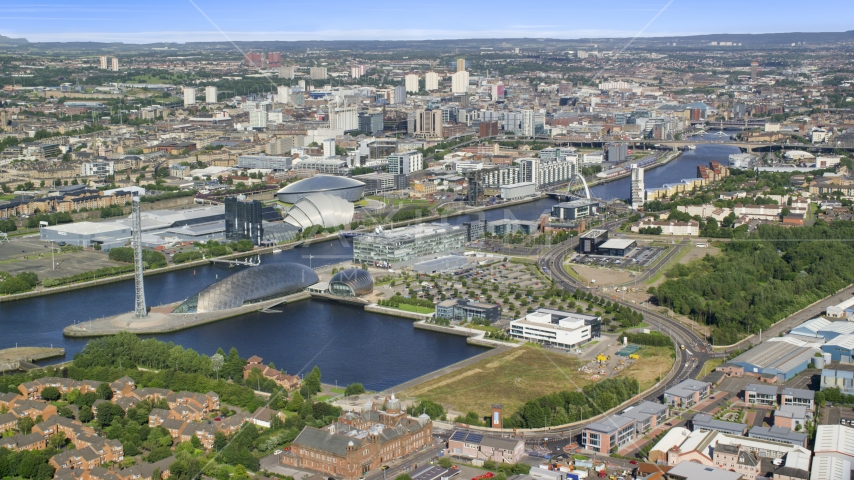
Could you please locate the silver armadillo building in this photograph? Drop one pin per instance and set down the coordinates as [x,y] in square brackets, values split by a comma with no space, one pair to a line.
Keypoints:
[253,285]
[353,282]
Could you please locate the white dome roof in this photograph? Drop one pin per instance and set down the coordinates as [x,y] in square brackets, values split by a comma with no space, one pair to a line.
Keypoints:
[320,209]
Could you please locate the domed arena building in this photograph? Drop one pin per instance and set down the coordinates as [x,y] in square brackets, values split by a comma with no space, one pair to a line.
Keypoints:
[320,209]
[343,187]
[253,285]
[353,282]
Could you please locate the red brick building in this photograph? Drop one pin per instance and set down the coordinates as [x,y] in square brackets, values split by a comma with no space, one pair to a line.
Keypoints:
[359,442]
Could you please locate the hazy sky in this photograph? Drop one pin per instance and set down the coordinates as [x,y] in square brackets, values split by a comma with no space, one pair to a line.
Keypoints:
[219,20]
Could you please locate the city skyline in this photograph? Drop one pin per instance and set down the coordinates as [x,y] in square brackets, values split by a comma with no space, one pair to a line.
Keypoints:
[217,20]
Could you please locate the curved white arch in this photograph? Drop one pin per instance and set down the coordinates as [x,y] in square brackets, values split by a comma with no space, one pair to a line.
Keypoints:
[583,182]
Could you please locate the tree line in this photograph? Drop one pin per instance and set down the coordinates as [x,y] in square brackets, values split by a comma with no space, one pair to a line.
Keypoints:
[572,406]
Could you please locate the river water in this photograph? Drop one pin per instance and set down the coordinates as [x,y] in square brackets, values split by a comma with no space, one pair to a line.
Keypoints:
[347,343]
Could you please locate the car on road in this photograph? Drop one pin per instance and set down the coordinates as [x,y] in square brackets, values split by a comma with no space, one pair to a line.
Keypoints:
[277,452]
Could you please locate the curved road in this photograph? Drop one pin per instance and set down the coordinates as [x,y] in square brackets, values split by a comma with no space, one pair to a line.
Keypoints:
[696,350]
[690,361]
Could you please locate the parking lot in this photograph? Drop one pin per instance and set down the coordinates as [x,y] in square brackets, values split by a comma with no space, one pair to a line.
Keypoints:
[637,258]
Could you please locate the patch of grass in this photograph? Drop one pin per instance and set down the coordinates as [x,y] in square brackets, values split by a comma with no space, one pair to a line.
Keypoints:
[523,261]
[339,391]
[415,308]
[710,367]
[654,361]
[510,378]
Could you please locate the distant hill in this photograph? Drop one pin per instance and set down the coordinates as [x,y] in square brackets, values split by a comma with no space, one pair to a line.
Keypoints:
[459,45]
[13,41]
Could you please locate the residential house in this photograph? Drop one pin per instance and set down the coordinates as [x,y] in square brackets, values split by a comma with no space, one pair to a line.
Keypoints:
[476,446]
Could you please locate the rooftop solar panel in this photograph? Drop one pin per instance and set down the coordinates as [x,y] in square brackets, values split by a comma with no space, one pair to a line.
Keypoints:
[458,436]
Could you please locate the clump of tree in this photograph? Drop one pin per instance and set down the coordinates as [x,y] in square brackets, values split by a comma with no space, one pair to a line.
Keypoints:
[184,257]
[432,409]
[150,258]
[397,299]
[50,218]
[755,283]
[22,282]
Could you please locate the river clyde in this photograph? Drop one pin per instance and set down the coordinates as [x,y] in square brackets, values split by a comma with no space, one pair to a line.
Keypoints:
[347,343]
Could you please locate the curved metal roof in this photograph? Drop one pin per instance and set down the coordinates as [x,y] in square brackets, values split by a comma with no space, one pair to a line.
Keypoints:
[320,209]
[321,183]
[252,285]
[360,281]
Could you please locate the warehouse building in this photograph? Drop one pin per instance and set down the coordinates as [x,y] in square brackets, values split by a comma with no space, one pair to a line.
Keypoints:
[841,379]
[841,348]
[590,241]
[85,234]
[834,452]
[779,358]
[617,247]
[842,310]
[822,330]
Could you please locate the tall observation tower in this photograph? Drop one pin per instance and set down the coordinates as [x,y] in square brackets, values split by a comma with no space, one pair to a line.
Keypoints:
[136,242]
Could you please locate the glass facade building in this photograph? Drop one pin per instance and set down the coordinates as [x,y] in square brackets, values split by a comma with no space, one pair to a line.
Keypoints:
[253,285]
[403,246]
[243,220]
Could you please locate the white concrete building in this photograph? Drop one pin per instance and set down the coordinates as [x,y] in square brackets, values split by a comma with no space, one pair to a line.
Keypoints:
[114,64]
[344,118]
[283,94]
[528,123]
[518,190]
[100,169]
[638,193]
[594,158]
[405,163]
[318,73]
[669,227]
[411,83]
[431,81]
[189,96]
[556,328]
[211,94]
[258,119]
[460,82]
[103,62]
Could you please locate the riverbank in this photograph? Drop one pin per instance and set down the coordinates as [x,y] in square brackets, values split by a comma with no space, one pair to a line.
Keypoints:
[22,358]
[42,291]
[161,320]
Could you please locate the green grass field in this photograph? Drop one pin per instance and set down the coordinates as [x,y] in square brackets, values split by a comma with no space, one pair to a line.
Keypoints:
[510,378]
[414,308]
